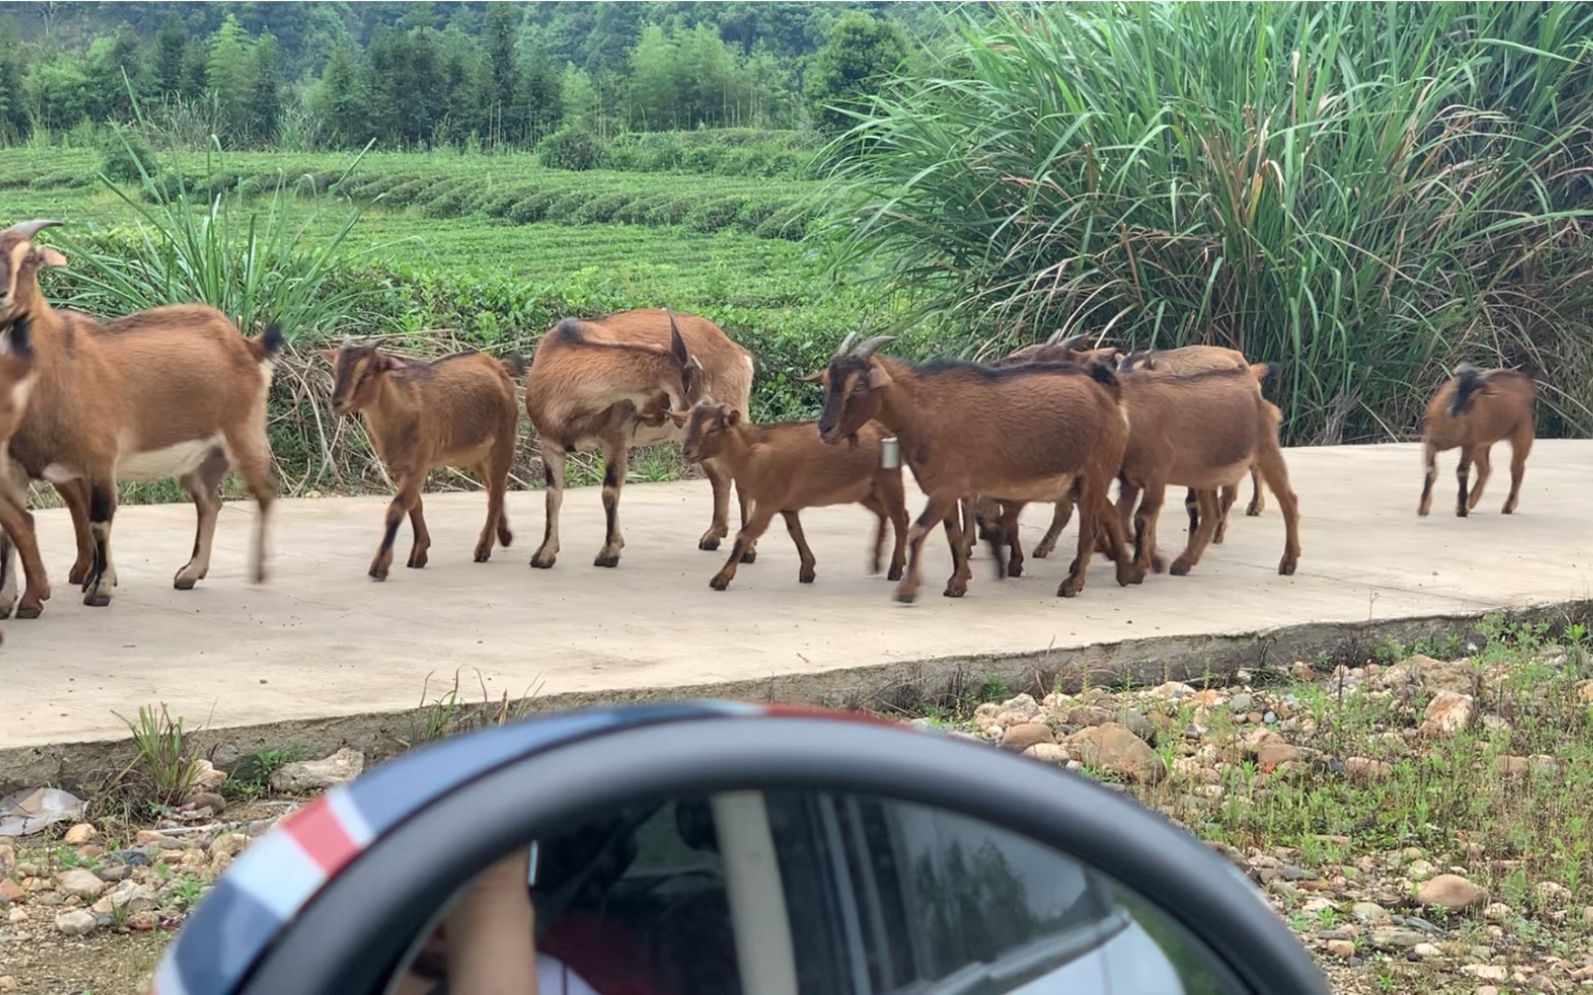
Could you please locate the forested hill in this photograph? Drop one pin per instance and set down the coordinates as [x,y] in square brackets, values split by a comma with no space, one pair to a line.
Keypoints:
[422,74]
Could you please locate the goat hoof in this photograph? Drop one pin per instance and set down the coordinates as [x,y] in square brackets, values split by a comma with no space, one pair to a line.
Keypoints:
[28,611]
[1254,511]
[709,543]
[1158,565]
[1015,570]
[750,556]
[1286,568]
[417,562]
[5,611]
[719,582]
[1508,509]
[1460,512]
[97,599]
[1068,589]
[906,597]
[1179,568]
[895,574]
[606,560]
[954,592]
[542,562]
[184,583]
[77,576]
[806,577]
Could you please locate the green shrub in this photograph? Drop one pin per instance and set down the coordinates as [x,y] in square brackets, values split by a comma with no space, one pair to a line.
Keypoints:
[127,157]
[570,148]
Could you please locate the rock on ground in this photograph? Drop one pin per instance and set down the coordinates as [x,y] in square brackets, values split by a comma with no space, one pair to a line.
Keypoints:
[78,922]
[1114,747]
[1452,892]
[312,775]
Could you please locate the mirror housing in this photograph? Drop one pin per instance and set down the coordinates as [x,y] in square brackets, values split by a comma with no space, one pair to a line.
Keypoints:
[331,901]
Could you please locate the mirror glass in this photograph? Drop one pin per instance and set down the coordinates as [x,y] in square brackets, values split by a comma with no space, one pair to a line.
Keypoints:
[785,892]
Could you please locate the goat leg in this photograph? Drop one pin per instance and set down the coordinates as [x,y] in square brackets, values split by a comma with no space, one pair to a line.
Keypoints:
[907,590]
[204,486]
[553,459]
[761,517]
[719,527]
[1059,521]
[1009,531]
[1210,504]
[417,525]
[1276,474]
[1479,456]
[1430,477]
[1258,497]
[1520,446]
[407,497]
[102,509]
[1461,473]
[806,573]
[20,540]
[961,572]
[614,459]
[74,494]
[894,503]
[1229,495]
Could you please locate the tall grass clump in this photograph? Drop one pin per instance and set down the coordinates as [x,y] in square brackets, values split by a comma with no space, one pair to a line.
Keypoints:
[1364,193]
[259,260]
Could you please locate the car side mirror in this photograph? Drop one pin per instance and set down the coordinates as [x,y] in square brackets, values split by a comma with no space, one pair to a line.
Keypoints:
[715,847]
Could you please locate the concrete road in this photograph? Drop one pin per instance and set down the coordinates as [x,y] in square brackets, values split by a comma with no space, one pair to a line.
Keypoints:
[320,639]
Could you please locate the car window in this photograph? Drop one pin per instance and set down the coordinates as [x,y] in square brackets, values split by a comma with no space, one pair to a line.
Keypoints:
[890,897]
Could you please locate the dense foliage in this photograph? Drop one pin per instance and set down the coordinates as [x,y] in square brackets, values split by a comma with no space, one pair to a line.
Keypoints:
[423,75]
[1366,194]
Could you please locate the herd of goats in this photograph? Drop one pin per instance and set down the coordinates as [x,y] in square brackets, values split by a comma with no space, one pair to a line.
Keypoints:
[177,391]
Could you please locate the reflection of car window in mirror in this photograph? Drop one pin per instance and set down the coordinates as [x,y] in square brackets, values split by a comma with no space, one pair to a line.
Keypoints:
[784,892]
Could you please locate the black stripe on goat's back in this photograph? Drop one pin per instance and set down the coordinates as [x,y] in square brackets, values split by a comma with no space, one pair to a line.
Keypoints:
[1187,376]
[936,366]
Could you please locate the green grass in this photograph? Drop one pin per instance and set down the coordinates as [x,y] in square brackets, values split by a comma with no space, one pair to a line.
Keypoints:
[1366,194]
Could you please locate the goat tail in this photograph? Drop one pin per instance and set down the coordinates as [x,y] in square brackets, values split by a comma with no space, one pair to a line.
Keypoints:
[1468,379]
[270,342]
[1104,375]
[514,365]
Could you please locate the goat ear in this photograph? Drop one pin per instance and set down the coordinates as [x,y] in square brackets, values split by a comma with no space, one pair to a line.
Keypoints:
[817,376]
[733,417]
[680,416]
[877,377]
[46,256]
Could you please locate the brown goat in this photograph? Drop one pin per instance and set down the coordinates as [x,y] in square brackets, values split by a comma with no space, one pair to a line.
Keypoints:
[1194,359]
[783,468]
[1470,412]
[457,411]
[610,384]
[1210,428]
[1021,433]
[172,391]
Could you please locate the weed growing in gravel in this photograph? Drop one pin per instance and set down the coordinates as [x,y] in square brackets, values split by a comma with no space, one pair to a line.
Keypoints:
[250,775]
[163,767]
[449,714]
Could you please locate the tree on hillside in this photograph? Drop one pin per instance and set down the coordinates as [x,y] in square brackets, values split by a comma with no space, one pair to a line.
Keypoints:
[114,64]
[228,77]
[503,76]
[171,53]
[339,99]
[265,91]
[858,56]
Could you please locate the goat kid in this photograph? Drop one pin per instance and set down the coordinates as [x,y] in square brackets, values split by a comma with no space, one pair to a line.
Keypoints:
[610,383]
[783,468]
[171,391]
[459,411]
[1024,433]
[1471,411]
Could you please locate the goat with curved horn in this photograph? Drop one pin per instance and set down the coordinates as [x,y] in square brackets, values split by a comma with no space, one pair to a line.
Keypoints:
[846,343]
[867,348]
[28,229]
[1071,342]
